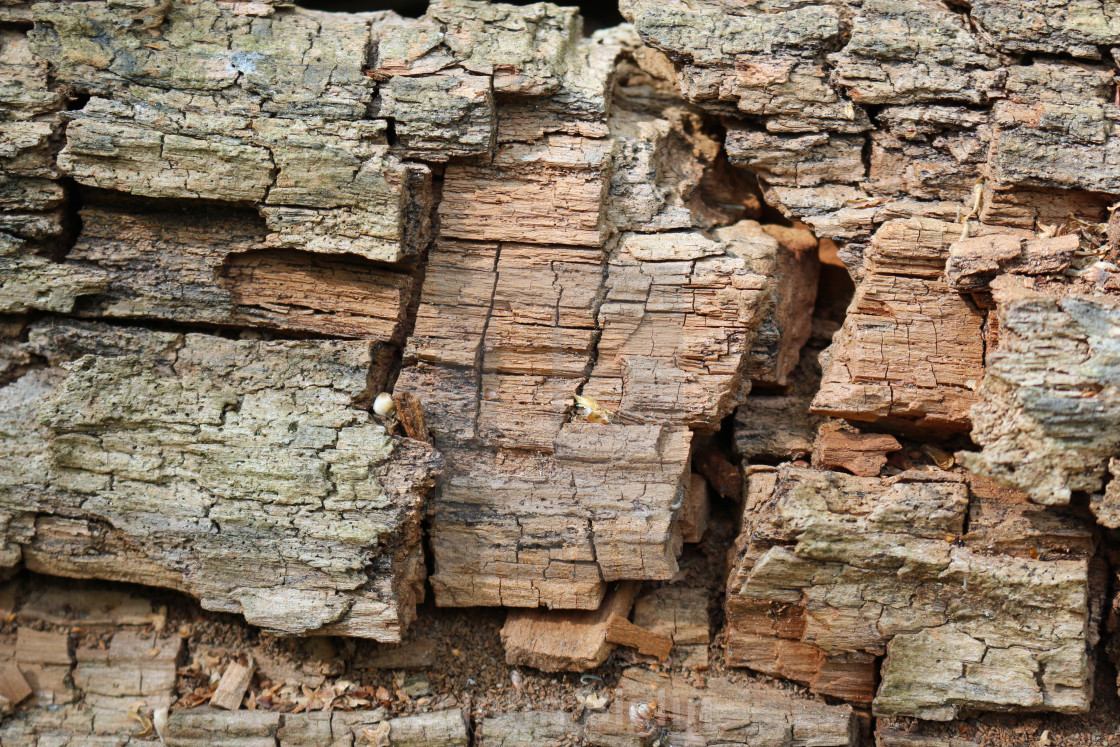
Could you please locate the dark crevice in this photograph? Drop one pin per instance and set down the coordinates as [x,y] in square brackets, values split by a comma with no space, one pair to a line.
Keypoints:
[596,15]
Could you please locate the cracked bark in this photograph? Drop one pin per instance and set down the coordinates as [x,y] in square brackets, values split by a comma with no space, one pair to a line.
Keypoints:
[258,170]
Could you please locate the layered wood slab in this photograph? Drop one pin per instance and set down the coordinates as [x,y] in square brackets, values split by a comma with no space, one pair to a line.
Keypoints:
[833,571]
[242,472]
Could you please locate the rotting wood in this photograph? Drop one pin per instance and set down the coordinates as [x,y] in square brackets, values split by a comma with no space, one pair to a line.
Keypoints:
[696,509]
[565,640]
[622,632]
[1047,413]
[410,413]
[596,242]
[681,614]
[233,685]
[529,729]
[719,713]
[810,535]
[841,447]
[13,685]
[910,354]
[161,438]
[250,168]
[212,265]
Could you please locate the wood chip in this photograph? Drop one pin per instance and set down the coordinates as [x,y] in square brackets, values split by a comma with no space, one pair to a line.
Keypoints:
[13,685]
[625,633]
[233,685]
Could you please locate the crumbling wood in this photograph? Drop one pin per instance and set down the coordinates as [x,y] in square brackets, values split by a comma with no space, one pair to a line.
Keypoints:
[696,509]
[291,191]
[269,170]
[721,474]
[563,640]
[808,534]
[213,265]
[771,428]
[681,614]
[13,685]
[233,685]
[591,533]
[622,632]
[788,257]
[910,354]
[720,713]
[529,729]
[841,447]
[90,607]
[1048,406]
[410,413]
[164,437]
[45,660]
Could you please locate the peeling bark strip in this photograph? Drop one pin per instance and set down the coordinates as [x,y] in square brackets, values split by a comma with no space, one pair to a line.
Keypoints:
[833,570]
[240,472]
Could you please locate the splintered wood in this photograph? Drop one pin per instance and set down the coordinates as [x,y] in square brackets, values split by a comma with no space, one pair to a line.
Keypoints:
[824,580]
[228,226]
[911,351]
[565,641]
[653,705]
[251,167]
[557,274]
[1050,402]
[218,467]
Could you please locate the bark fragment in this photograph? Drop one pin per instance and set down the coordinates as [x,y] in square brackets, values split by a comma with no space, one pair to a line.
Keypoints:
[563,640]
[910,354]
[1048,406]
[161,458]
[834,570]
[723,712]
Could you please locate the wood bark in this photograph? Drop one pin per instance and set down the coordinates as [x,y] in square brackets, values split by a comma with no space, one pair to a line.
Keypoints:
[227,225]
[832,571]
[239,471]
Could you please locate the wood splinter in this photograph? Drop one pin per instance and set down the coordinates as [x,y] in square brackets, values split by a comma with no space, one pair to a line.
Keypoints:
[233,685]
[410,413]
[625,633]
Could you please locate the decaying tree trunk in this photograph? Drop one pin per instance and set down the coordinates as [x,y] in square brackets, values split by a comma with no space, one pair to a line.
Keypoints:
[586,268]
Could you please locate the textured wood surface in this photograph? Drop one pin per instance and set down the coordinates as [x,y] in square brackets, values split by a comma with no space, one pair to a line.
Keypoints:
[219,467]
[565,640]
[825,578]
[1048,407]
[226,226]
[719,713]
[911,352]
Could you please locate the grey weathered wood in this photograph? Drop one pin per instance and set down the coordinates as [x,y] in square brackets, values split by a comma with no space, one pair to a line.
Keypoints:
[1049,405]
[825,580]
[218,467]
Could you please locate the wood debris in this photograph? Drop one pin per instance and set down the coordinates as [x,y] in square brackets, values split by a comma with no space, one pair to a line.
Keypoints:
[841,447]
[233,685]
[563,640]
[567,262]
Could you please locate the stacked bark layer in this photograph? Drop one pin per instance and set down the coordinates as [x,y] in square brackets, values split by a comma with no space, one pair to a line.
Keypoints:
[259,168]
[553,244]
[966,163]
